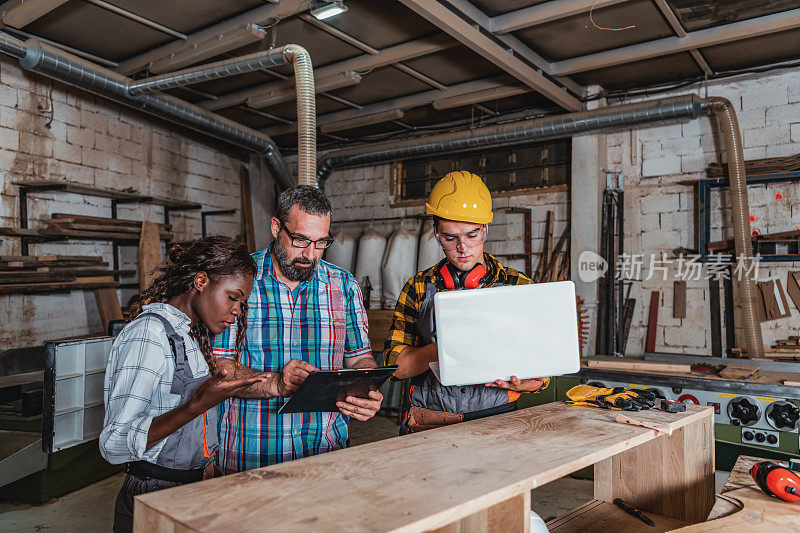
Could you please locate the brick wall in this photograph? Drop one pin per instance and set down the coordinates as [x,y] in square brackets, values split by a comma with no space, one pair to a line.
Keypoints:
[95,142]
[659,211]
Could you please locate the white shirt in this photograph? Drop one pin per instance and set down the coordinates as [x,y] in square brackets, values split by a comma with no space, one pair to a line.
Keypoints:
[138,381]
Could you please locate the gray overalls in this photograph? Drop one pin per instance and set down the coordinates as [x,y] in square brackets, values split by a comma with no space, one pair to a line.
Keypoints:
[474,401]
[183,458]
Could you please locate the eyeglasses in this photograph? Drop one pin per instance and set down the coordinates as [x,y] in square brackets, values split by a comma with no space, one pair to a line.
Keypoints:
[298,241]
[451,241]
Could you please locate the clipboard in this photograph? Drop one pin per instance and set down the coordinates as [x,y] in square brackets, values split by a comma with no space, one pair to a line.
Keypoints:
[323,388]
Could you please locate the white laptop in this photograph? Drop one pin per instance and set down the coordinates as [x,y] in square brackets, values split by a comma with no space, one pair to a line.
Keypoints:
[528,331]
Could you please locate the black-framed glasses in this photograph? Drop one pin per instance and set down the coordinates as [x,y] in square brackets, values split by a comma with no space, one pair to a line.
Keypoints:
[298,241]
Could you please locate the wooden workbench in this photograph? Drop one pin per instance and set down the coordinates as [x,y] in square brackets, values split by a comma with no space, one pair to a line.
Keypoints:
[743,506]
[474,476]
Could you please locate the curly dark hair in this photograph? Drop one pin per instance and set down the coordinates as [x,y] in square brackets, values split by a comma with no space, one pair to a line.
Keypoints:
[218,256]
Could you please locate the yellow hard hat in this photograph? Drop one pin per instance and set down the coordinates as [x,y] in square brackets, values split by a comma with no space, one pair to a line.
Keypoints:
[461,196]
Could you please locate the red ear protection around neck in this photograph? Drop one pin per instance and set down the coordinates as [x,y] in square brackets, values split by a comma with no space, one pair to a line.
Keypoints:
[454,279]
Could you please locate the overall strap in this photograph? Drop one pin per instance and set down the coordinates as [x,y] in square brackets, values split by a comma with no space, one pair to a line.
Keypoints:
[175,340]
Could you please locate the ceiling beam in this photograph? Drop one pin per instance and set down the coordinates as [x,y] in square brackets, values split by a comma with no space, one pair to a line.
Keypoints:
[546,12]
[19,13]
[515,45]
[786,20]
[271,13]
[349,39]
[482,44]
[387,56]
[404,103]
[677,27]
[288,94]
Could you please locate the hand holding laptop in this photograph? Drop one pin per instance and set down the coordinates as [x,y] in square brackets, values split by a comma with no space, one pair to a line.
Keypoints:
[519,385]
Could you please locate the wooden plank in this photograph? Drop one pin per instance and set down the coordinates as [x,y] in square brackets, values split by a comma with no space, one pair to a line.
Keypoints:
[149,253]
[135,224]
[108,304]
[772,309]
[51,257]
[426,480]
[511,516]
[596,515]
[793,287]
[738,372]
[672,476]
[49,288]
[547,248]
[22,379]
[248,229]
[679,299]
[716,324]
[729,313]
[652,323]
[634,365]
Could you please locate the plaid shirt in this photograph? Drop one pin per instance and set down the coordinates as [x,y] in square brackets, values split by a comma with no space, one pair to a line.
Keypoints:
[404,323]
[324,325]
[138,381]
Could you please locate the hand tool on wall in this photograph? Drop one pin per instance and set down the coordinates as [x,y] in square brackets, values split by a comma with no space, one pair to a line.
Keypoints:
[633,511]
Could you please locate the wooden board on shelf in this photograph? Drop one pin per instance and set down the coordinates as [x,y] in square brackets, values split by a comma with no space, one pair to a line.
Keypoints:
[149,253]
[621,363]
[55,287]
[66,218]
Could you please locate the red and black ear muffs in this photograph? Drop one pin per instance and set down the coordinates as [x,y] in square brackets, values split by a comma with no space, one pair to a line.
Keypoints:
[782,482]
[454,279]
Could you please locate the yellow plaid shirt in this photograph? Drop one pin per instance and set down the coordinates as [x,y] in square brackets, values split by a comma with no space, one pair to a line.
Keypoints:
[404,322]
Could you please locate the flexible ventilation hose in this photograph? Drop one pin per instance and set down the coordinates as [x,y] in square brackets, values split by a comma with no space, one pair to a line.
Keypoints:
[306,114]
[751,324]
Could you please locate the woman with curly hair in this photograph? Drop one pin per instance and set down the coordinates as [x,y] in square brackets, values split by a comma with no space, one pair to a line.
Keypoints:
[161,386]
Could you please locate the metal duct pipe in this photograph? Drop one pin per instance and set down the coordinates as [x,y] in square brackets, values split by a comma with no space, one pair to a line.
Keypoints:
[306,114]
[538,129]
[212,71]
[304,88]
[741,224]
[51,62]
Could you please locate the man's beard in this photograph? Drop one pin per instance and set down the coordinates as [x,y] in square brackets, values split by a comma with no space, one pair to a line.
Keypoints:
[290,268]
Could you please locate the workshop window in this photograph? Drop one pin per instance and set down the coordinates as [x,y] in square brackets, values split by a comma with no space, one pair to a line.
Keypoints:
[521,168]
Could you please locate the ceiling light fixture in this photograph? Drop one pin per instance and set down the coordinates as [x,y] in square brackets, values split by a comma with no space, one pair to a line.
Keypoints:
[324,10]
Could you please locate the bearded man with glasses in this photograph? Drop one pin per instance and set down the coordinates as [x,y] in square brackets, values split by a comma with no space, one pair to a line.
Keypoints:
[461,206]
[304,314]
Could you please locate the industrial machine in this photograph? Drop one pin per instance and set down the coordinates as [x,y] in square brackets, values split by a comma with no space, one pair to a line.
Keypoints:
[746,414]
[51,413]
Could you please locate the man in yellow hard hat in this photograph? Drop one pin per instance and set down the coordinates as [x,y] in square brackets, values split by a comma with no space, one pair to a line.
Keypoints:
[461,206]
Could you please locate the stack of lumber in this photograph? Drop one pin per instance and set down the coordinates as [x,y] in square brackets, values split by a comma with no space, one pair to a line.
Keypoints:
[55,273]
[554,262]
[771,165]
[83,227]
[77,225]
[788,349]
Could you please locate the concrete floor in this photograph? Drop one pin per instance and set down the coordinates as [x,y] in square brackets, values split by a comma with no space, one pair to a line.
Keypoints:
[91,508]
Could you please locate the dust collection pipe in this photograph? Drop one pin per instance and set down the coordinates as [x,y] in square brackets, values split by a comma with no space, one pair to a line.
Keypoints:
[742,239]
[49,61]
[304,86]
[583,122]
